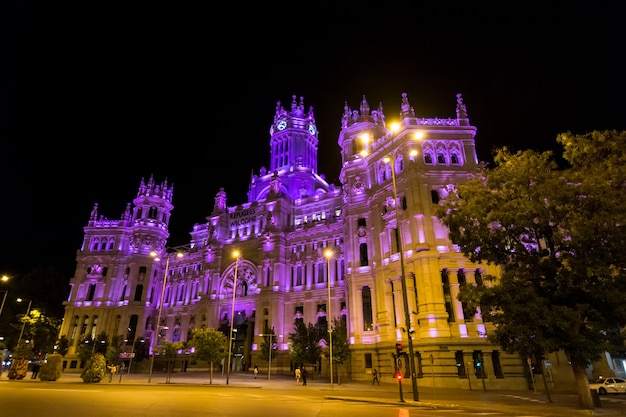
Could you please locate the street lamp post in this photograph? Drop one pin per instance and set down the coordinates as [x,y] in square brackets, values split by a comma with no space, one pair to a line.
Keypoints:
[3,301]
[158,323]
[4,278]
[24,318]
[329,318]
[236,254]
[405,300]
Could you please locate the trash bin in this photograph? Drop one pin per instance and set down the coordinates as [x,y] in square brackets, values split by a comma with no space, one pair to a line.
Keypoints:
[595,397]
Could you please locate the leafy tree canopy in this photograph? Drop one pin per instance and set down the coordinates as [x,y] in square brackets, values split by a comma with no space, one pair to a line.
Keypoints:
[559,237]
[341,344]
[305,346]
[210,345]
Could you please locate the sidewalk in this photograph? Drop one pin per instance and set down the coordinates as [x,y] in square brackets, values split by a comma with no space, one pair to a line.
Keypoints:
[564,404]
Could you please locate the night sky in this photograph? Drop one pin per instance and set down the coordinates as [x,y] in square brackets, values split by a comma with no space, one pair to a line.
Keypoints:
[96,95]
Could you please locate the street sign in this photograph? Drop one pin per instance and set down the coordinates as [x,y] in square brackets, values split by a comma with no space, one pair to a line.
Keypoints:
[548,364]
[127,355]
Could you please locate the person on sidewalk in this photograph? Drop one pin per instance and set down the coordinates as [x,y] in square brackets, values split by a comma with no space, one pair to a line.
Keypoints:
[112,371]
[303,374]
[36,368]
[298,375]
[375,379]
[256,370]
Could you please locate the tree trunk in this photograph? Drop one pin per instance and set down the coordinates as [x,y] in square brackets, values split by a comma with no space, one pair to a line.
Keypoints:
[582,385]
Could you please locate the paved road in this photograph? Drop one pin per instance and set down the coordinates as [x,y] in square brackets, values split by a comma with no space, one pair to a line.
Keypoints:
[564,404]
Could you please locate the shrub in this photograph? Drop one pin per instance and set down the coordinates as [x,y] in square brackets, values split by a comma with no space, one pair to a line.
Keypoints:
[52,369]
[19,367]
[95,369]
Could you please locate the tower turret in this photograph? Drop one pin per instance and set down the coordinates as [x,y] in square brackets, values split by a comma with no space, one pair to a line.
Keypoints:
[151,216]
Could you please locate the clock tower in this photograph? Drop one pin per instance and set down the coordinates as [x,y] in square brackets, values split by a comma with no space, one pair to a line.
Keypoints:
[293,155]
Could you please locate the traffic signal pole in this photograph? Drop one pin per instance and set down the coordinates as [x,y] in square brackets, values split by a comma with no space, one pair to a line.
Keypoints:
[399,369]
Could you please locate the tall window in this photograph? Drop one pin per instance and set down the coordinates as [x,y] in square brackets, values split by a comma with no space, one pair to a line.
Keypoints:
[368,360]
[90,292]
[468,313]
[447,296]
[497,366]
[363,254]
[132,329]
[460,365]
[138,292]
[142,273]
[320,272]
[367,309]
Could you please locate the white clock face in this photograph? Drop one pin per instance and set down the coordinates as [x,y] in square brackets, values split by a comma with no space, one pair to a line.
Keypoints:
[281,125]
[312,129]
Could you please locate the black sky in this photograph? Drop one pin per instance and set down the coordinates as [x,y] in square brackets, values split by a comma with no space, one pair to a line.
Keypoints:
[96,95]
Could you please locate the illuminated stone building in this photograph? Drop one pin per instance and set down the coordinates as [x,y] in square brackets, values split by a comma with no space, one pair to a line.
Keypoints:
[291,217]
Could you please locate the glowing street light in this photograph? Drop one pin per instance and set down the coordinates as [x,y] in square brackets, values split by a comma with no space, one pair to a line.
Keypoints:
[158,324]
[236,255]
[328,254]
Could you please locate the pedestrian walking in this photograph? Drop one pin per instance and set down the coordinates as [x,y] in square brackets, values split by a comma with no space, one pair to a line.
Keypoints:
[375,379]
[256,370]
[36,368]
[298,375]
[303,374]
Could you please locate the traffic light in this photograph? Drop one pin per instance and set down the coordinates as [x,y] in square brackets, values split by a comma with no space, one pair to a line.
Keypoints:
[399,377]
[398,348]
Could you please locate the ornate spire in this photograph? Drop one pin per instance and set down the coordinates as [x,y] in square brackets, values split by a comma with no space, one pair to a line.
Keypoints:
[365,108]
[162,190]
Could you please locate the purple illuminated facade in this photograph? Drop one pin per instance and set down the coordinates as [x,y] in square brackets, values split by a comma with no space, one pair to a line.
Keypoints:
[292,215]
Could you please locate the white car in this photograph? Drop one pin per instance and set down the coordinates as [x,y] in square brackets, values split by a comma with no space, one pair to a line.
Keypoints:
[609,385]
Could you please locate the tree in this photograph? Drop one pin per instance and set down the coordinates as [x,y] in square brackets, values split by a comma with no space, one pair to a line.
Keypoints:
[62,345]
[267,344]
[113,349]
[43,333]
[210,345]
[88,346]
[559,238]
[305,346]
[341,344]
[169,352]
